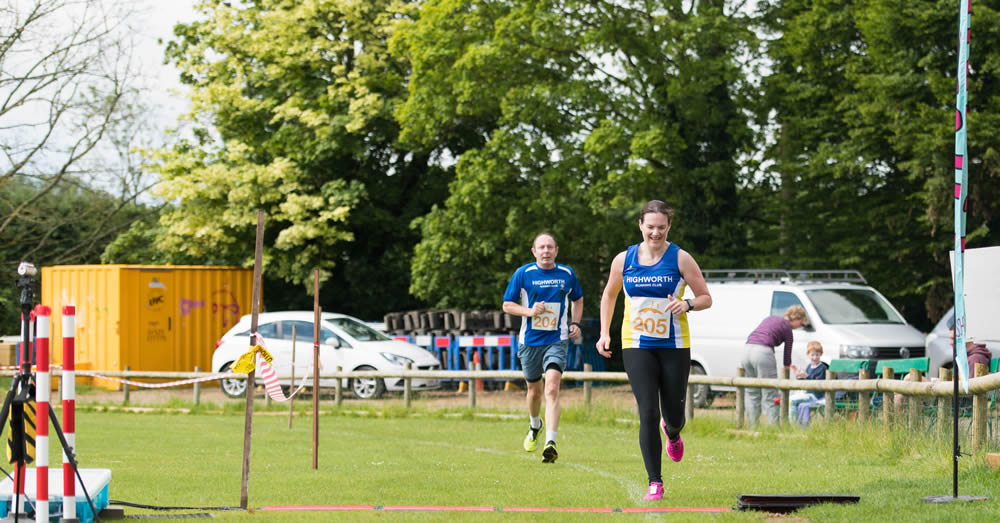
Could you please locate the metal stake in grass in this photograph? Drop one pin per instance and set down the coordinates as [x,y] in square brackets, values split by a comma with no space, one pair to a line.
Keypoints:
[291,386]
[254,308]
[316,316]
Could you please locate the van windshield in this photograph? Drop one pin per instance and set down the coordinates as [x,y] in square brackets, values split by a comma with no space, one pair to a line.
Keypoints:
[852,306]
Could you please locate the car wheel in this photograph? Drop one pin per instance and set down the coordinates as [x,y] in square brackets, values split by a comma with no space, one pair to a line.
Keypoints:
[702,393]
[367,388]
[233,388]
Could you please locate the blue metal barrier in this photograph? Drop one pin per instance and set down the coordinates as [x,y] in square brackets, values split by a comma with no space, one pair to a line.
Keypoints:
[440,346]
[495,352]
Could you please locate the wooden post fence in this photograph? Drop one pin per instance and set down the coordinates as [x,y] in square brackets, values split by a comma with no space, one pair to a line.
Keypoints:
[888,400]
[914,403]
[125,387]
[979,412]
[740,399]
[197,388]
[407,383]
[828,399]
[944,407]
[338,395]
[864,397]
[472,387]
[783,416]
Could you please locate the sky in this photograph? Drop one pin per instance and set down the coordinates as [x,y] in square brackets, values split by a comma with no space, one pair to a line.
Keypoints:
[154,22]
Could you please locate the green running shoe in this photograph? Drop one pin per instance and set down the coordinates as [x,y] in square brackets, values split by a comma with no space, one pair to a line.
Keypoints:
[531,439]
[549,455]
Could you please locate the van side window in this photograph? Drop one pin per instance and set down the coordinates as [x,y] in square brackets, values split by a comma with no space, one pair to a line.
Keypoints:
[781,301]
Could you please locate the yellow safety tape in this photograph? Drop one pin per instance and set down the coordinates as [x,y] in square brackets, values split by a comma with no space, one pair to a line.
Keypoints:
[247,362]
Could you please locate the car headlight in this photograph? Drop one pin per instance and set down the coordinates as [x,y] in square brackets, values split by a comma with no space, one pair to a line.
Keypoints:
[396,359]
[856,351]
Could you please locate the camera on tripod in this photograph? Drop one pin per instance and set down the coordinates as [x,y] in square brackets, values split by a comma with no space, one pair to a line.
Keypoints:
[26,283]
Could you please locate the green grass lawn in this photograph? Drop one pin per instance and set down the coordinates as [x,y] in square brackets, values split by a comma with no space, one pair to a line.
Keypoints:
[389,456]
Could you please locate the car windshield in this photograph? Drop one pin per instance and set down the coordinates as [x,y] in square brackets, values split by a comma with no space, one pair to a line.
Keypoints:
[852,306]
[358,330]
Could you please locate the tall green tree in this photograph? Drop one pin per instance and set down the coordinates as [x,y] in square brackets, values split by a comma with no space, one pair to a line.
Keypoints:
[567,116]
[862,97]
[296,105]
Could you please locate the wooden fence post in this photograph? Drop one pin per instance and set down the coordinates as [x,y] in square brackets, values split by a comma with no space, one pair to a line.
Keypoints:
[407,386]
[979,412]
[864,397]
[944,406]
[338,394]
[783,416]
[916,403]
[125,386]
[828,398]
[197,387]
[472,387]
[587,385]
[888,399]
[740,399]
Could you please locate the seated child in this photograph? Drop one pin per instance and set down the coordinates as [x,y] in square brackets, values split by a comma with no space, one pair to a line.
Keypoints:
[800,401]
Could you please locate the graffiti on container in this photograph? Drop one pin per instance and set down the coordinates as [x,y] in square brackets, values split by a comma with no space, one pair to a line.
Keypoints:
[224,303]
[155,332]
[188,305]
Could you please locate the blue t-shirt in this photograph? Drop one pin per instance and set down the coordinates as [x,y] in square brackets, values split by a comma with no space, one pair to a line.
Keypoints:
[557,287]
[647,322]
[816,373]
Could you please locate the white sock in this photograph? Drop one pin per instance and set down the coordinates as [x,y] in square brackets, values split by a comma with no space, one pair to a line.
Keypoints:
[550,435]
[536,422]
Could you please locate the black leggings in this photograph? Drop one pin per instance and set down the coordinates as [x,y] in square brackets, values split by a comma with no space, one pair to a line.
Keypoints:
[659,379]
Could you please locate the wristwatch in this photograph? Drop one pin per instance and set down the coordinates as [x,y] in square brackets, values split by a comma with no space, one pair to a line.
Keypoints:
[690,305]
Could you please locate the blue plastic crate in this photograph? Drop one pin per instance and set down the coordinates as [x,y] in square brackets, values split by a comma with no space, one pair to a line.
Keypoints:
[97,482]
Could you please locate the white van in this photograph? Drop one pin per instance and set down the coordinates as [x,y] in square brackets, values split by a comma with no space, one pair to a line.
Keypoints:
[849,318]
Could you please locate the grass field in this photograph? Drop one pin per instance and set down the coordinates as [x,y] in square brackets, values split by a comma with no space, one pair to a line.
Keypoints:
[381,454]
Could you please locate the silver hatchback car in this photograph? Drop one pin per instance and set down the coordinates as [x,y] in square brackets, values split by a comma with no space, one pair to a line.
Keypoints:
[345,342]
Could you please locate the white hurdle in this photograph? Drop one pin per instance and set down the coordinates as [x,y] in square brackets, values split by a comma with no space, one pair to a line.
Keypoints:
[69,409]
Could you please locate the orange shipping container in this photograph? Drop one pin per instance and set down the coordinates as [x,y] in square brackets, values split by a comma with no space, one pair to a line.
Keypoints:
[145,317]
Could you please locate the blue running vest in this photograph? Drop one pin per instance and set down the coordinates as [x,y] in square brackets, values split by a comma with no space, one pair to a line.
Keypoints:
[647,324]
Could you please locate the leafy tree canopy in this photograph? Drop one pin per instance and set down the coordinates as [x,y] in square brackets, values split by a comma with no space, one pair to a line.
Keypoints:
[296,100]
[567,116]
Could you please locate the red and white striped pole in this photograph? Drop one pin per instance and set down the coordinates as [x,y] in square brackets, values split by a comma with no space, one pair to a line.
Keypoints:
[43,388]
[69,409]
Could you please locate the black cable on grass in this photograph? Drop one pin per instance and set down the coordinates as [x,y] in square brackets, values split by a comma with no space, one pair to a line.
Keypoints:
[158,507]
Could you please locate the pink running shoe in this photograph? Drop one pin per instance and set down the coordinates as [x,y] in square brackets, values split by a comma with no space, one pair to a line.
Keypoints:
[655,492]
[675,449]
